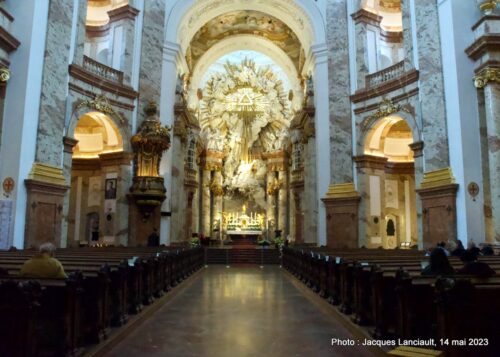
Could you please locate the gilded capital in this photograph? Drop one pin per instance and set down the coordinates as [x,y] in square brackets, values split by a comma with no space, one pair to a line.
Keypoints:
[4,75]
[485,76]
[488,6]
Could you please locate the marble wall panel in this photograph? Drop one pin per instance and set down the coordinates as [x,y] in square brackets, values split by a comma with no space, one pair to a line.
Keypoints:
[339,91]
[151,54]
[492,103]
[54,83]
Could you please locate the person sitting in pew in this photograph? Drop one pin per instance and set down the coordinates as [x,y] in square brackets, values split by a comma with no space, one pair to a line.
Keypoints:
[438,264]
[459,250]
[43,264]
[473,267]
[487,250]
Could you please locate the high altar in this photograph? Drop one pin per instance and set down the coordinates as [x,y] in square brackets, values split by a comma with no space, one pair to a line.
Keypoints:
[243,224]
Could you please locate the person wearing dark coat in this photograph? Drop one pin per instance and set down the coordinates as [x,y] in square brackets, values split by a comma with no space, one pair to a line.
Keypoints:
[474,267]
[154,239]
[438,264]
[459,250]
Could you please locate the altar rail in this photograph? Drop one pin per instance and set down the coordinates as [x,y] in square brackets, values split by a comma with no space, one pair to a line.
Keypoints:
[387,74]
[102,70]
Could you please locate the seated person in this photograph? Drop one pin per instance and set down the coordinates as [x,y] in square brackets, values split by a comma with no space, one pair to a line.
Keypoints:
[438,264]
[473,267]
[459,250]
[154,239]
[487,250]
[43,264]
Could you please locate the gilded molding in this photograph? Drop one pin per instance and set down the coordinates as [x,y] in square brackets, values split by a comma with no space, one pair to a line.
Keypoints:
[488,6]
[4,75]
[47,173]
[101,104]
[342,190]
[486,76]
[385,108]
[438,178]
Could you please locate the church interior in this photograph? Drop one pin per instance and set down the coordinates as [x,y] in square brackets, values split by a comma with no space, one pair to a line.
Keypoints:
[249,177]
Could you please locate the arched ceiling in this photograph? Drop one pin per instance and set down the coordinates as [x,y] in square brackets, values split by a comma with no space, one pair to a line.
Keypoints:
[96,134]
[390,138]
[245,22]
[390,5]
[97,11]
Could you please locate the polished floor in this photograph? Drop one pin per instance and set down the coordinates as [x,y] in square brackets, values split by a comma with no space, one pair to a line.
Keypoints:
[236,312]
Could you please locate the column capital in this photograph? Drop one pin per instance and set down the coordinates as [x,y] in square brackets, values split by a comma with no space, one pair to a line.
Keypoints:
[418,148]
[485,76]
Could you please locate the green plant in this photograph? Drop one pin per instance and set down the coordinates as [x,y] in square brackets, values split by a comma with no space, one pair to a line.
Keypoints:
[194,242]
[279,242]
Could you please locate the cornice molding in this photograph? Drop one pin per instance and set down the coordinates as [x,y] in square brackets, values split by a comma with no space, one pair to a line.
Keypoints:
[482,45]
[8,42]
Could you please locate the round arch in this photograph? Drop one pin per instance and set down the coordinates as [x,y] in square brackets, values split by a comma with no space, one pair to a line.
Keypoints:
[372,124]
[245,42]
[116,119]
[188,16]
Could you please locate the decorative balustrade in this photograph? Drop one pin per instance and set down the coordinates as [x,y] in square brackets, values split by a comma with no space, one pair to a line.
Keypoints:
[385,75]
[102,70]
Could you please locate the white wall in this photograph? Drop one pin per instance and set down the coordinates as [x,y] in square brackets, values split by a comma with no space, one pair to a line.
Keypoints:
[456,19]
[22,103]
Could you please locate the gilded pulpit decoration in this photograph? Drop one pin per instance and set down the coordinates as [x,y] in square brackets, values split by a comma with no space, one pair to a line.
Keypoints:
[486,76]
[4,75]
[149,144]
[274,186]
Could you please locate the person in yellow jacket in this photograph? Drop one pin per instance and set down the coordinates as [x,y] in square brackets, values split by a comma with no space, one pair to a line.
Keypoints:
[43,264]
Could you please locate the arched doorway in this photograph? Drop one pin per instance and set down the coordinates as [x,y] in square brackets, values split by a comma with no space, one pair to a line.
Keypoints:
[386,180]
[98,189]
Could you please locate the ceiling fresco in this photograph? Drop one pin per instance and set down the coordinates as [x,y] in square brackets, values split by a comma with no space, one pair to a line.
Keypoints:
[245,22]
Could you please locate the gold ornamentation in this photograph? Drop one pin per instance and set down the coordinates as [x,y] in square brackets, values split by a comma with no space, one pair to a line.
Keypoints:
[488,6]
[487,75]
[47,173]
[216,188]
[387,107]
[342,190]
[4,75]
[274,186]
[101,104]
[438,178]
[149,143]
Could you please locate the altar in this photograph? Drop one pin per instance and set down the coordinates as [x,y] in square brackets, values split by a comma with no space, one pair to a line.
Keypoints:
[242,228]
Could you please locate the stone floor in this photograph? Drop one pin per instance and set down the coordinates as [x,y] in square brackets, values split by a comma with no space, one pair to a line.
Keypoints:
[239,312]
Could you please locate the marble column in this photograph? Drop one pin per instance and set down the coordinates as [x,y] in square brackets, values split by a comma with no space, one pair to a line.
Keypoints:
[309,199]
[407,34]
[123,19]
[205,202]
[339,92]
[69,144]
[271,206]
[418,162]
[55,77]
[217,208]
[492,105]
[426,55]
[177,202]
[283,203]
[153,34]
[80,33]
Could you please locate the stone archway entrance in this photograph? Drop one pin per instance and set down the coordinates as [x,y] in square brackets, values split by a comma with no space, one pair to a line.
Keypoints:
[386,181]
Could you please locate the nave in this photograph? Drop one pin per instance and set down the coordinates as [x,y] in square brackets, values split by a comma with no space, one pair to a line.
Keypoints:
[240,311]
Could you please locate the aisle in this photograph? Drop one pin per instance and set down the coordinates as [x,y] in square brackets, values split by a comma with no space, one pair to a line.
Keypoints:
[238,312]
